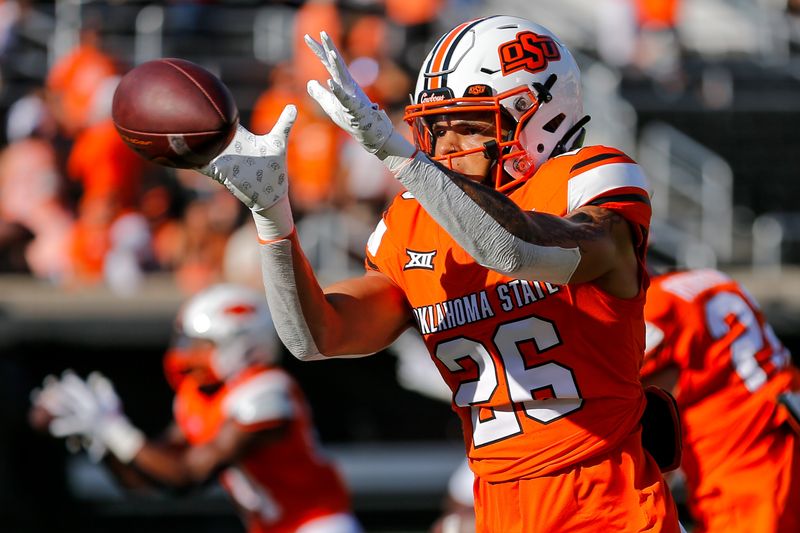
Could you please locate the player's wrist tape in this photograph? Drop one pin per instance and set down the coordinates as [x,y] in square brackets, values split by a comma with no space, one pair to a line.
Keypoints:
[275,222]
[122,438]
[481,236]
[396,145]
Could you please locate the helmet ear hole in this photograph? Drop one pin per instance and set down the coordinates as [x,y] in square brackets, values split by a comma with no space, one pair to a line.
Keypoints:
[540,148]
[554,123]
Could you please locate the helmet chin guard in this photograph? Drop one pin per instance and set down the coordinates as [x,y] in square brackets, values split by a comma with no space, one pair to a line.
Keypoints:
[516,72]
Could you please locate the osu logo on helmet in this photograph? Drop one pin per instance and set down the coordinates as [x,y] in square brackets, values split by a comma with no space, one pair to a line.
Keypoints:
[528,51]
[478,89]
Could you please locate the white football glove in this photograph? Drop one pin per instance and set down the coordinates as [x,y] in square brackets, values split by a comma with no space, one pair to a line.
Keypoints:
[47,397]
[92,411]
[349,107]
[253,168]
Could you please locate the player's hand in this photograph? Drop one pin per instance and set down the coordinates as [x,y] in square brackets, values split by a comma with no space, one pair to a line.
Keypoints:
[92,411]
[48,397]
[349,107]
[45,404]
[253,167]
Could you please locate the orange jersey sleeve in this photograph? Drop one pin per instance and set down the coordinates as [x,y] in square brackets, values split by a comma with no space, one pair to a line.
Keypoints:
[595,175]
[598,176]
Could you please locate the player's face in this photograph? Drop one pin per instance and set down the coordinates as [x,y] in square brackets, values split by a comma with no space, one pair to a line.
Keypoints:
[460,132]
[192,357]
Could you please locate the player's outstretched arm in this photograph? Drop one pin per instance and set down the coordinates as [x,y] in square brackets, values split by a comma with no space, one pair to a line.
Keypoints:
[351,318]
[490,227]
[183,467]
[88,411]
[356,317]
[92,411]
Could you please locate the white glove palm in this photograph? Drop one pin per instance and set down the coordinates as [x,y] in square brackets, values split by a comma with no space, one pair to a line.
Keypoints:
[91,410]
[253,168]
[348,106]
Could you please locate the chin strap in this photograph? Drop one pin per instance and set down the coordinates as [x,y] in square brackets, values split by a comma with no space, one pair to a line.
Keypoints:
[564,145]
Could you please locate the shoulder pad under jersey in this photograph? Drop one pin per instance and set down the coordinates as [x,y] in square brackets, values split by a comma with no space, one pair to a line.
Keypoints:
[264,398]
[600,171]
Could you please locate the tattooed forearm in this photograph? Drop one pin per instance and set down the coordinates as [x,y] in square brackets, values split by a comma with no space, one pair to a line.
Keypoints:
[588,224]
[495,204]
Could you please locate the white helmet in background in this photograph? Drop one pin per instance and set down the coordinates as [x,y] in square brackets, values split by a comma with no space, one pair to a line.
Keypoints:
[220,332]
[515,69]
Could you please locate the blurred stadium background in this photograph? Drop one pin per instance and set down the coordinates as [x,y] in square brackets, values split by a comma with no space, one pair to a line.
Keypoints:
[97,249]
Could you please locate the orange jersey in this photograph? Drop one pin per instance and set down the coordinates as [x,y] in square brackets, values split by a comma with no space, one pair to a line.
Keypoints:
[620,491]
[279,485]
[105,167]
[542,376]
[732,368]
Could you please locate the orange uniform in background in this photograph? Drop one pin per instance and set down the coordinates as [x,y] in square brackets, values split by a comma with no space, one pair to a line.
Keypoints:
[110,174]
[279,485]
[740,457]
[657,14]
[545,378]
[311,18]
[412,12]
[105,166]
[74,81]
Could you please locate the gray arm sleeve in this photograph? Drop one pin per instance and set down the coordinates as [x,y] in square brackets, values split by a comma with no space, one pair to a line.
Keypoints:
[284,303]
[278,276]
[481,236]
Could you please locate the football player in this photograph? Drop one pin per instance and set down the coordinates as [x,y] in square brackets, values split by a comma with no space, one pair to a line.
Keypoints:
[237,417]
[708,342]
[517,254]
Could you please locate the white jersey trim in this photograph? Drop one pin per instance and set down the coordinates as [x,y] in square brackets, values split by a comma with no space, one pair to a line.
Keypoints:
[375,239]
[653,337]
[588,185]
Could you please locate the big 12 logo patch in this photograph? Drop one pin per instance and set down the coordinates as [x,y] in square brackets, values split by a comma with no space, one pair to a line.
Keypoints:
[528,51]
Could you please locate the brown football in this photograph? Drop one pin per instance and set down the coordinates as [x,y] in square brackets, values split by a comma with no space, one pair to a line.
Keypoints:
[174,113]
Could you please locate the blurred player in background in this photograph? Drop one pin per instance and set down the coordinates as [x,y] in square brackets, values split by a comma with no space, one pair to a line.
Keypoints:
[520,258]
[238,417]
[708,342]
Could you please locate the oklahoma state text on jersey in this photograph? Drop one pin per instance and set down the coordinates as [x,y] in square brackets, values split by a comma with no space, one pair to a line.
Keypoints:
[542,376]
[282,484]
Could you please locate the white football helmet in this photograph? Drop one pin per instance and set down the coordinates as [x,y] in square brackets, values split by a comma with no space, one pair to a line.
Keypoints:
[519,71]
[220,332]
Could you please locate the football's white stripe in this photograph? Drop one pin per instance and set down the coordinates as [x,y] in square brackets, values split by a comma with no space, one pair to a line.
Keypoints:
[594,182]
